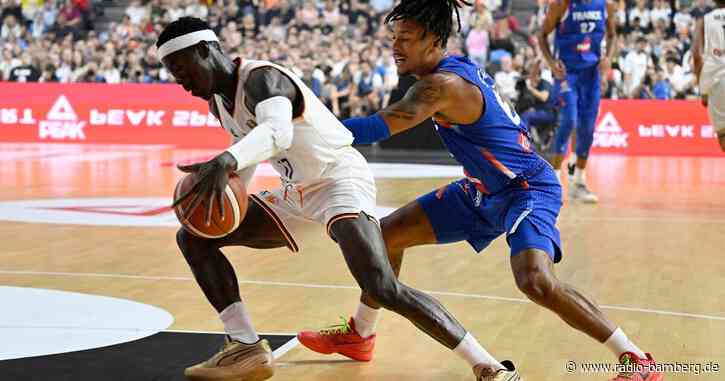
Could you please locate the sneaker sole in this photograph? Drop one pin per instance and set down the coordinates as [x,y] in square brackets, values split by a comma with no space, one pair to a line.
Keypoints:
[258,374]
[363,356]
[357,356]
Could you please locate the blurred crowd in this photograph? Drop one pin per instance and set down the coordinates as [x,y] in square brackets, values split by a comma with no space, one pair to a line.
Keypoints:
[339,47]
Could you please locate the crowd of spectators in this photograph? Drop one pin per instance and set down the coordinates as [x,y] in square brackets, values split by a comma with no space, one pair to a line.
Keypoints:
[339,47]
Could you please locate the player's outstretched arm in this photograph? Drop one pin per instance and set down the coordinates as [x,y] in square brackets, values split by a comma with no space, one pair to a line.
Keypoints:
[426,97]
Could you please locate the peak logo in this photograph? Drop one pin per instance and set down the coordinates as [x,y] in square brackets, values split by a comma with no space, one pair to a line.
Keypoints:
[61,122]
[609,134]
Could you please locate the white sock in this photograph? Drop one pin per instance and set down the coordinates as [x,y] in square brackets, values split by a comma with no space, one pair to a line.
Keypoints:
[580,176]
[619,343]
[470,350]
[237,323]
[365,319]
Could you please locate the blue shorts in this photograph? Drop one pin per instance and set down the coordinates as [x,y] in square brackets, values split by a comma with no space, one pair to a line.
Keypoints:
[579,101]
[527,216]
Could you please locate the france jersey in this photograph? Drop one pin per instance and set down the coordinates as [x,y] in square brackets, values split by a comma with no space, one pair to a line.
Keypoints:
[579,36]
[508,188]
[495,151]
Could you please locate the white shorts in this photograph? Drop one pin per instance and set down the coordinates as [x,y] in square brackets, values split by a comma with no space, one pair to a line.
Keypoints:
[716,105]
[304,216]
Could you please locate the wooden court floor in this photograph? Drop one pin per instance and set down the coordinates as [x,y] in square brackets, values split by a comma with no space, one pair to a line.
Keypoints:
[651,254]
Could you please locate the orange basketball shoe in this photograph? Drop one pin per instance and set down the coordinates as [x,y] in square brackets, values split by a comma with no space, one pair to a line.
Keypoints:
[342,339]
[637,369]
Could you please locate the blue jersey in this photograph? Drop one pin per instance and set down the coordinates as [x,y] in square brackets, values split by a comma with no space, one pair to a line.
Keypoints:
[495,151]
[579,36]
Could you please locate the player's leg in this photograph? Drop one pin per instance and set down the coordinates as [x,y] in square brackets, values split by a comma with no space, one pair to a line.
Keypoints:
[362,245]
[218,281]
[535,247]
[424,221]
[716,109]
[589,97]
[568,117]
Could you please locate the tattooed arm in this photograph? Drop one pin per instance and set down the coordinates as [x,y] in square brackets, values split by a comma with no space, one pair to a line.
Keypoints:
[425,98]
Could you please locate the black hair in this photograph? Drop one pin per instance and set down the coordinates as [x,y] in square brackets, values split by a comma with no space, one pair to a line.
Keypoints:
[182,26]
[435,15]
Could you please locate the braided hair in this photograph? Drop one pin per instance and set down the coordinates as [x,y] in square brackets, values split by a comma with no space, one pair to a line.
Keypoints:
[435,15]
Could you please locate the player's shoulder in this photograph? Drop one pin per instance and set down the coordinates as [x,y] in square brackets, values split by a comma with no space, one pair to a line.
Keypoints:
[266,81]
[442,82]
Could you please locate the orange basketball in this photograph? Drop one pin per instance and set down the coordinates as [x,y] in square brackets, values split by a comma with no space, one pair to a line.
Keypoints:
[235,208]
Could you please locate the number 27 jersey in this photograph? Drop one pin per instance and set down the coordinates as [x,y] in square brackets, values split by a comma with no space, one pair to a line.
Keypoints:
[495,150]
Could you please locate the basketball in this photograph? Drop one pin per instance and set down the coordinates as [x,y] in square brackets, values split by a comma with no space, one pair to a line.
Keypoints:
[235,208]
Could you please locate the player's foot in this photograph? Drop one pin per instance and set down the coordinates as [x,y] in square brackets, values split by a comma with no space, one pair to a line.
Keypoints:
[236,361]
[580,192]
[508,374]
[637,369]
[342,339]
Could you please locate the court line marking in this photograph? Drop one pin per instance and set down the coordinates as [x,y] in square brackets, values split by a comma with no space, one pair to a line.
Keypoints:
[277,353]
[341,287]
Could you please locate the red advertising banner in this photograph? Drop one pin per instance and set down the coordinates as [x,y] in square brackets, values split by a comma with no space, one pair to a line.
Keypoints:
[107,114]
[166,114]
[655,128]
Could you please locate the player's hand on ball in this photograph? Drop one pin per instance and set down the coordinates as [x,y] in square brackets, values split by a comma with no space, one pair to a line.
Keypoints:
[211,182]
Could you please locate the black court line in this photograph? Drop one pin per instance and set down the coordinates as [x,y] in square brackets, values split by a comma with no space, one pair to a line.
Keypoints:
[160,357]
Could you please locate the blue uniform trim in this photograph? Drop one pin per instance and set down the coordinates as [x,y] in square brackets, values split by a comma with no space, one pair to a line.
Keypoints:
[368,130]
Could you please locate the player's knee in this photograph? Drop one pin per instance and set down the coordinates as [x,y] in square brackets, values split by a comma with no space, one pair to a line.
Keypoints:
[384,289]
[538,285]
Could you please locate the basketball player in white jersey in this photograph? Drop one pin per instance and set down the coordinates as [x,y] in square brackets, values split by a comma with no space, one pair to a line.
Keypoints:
[274,116]
[709,56]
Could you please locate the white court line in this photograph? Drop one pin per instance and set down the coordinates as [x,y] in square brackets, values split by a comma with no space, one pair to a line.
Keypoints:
[277,353]
[340,287]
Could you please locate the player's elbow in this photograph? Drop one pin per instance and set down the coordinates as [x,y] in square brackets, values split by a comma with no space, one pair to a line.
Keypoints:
[282,133]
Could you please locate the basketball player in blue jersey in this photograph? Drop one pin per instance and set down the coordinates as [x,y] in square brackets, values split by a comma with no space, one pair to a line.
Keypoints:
[578,66]
[507,189]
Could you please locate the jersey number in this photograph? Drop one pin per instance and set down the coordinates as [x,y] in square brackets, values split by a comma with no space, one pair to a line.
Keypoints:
[507,108]
[288,170]
[588,27]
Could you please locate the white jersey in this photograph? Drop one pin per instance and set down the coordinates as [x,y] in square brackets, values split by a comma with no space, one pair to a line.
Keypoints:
[713,68]
[321,146]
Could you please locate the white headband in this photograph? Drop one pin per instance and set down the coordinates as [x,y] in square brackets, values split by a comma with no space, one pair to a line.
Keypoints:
[186,40]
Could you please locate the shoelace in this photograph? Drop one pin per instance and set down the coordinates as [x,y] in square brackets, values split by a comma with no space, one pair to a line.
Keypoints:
[337,329]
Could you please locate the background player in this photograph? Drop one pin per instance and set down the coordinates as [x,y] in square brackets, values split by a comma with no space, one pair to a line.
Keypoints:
[709,56]
[326,182]
[508,189]
[580,28]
